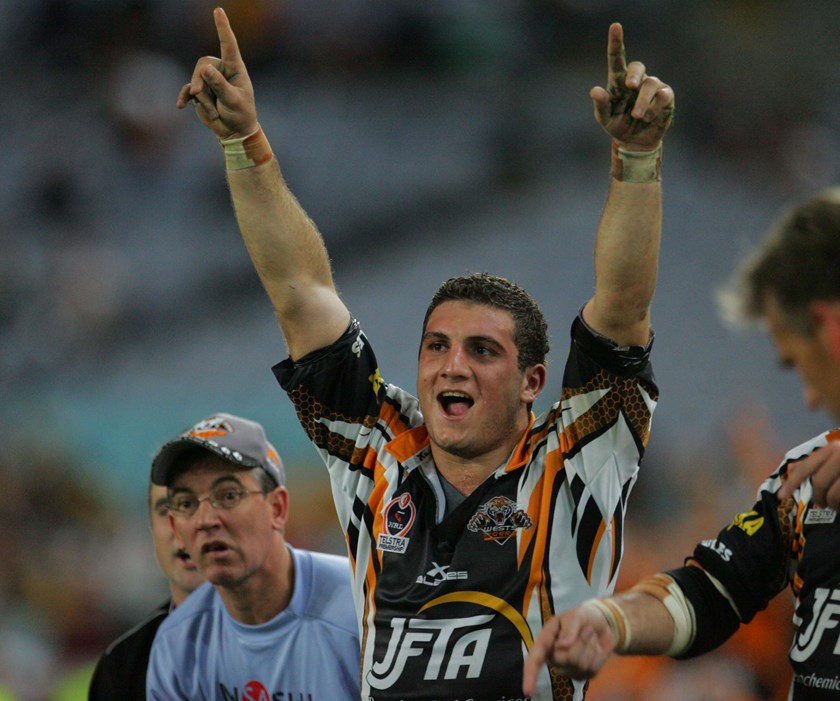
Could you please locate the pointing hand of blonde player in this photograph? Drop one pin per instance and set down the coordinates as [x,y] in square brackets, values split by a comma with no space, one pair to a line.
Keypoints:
[220,89]
[636,109]
[577,642]
[823,467]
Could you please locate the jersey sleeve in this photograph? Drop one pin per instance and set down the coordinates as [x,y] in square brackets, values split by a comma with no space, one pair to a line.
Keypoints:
[349,412]
[337,393]
[754,555]
[753,558]
[605,412]
[625,361]
[715,618]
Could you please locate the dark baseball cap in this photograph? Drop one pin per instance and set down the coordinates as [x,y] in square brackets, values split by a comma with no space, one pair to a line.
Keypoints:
[237,440]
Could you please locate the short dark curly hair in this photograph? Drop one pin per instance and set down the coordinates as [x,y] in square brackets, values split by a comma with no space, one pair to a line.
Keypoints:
[530,330]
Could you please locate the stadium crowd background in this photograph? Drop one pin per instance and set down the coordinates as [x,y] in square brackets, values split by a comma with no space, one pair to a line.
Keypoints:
[425,138]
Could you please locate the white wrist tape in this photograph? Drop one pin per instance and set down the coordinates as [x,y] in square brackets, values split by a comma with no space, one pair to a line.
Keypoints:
[247,151]
[664,588]
[636,166]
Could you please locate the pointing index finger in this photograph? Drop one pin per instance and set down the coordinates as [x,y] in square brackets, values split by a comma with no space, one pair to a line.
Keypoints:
[616,61]
[538,655]
[228,47]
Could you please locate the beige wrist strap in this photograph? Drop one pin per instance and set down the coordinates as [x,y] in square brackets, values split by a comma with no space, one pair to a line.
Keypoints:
[617,621]
[636,166]
[247,151]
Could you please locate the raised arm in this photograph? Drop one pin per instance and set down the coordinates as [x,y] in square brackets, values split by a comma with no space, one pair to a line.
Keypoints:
[285,246]
[636,110]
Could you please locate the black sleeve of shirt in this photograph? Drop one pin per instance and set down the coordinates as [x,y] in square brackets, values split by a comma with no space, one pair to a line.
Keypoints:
[751,556]
[750,559]
[338,375]
[715,617]
[120,674]
[621,360]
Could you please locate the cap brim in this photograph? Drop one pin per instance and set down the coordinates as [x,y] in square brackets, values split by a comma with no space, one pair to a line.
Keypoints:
[163,466]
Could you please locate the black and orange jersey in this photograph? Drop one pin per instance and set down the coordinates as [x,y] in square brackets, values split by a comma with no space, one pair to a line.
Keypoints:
[779,544]
[448,605]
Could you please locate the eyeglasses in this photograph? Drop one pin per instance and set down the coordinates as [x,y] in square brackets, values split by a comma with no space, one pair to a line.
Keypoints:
[227,498]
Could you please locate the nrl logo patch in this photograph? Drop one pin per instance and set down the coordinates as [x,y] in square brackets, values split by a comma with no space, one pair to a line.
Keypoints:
[398,519]
[499,519]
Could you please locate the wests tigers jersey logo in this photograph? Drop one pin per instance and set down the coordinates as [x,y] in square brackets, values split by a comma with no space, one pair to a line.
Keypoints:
[499,519]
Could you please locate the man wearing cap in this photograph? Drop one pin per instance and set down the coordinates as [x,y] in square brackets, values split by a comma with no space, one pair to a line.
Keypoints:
[272,621]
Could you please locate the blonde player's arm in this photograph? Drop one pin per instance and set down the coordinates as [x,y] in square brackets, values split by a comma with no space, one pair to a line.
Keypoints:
[657,616]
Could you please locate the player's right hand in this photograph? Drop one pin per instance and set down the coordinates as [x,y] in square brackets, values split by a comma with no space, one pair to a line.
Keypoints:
[576,642]
[823,467]
[220,88]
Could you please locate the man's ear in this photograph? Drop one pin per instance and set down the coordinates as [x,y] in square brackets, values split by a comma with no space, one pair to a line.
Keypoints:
[827,318]
[533,382]
[279,500]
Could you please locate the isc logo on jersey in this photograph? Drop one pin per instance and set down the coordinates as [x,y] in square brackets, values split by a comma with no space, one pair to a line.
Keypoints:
[826,617]
[444,648]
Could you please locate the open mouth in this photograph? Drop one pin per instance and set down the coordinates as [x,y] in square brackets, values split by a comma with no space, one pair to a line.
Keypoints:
[215,547]
[183,555]
[455,403]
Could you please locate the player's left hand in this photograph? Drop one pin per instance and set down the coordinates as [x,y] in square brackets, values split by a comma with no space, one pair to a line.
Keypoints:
[823,467]
[636,109]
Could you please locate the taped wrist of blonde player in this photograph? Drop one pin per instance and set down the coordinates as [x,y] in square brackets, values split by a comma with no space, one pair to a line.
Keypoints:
[665,590]
[247,151]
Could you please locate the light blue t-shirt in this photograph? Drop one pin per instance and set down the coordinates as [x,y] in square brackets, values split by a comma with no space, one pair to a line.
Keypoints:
[308,652]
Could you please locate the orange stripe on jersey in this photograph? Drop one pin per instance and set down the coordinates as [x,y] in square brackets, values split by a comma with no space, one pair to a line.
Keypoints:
[540,500]
[613,545]
[390,415]
[380,485]
[540,504]
[565,439]
[798,539]
[350,553]
[595,541]
[521,454]
[374,503]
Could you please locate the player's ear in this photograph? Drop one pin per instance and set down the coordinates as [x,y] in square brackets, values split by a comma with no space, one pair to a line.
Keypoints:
[533,381]
[827,319]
